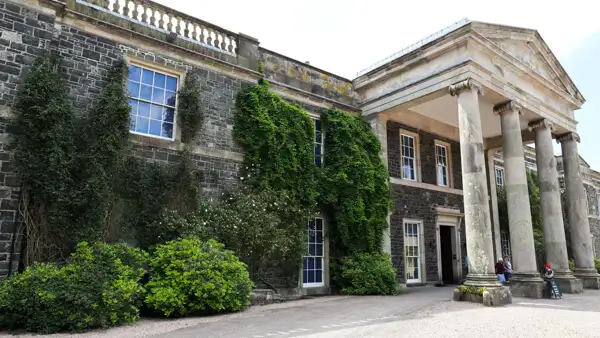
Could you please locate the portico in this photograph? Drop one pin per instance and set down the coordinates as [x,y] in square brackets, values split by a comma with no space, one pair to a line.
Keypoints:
[489,87]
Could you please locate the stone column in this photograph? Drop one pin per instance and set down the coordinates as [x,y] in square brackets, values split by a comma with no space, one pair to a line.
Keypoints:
[478,228]
[525,281]
[555,243]
[379,128]
[581,238]
[494,202]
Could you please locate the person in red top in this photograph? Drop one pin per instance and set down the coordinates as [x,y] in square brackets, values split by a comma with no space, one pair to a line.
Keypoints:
[500,270]
[548,275]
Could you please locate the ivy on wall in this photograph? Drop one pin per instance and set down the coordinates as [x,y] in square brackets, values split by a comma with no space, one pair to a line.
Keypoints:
[278,138]
[355,184]
[78,183]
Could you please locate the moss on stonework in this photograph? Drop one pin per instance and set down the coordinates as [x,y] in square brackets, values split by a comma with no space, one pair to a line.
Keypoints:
[471,290]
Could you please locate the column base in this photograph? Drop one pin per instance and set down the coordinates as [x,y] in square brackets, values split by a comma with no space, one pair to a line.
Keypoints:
[482,281]
[495,296]
[528,285]
[567,282]
[589,277]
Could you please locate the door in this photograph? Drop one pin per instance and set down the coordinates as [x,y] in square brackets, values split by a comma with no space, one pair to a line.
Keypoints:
[412,252]
[447,254]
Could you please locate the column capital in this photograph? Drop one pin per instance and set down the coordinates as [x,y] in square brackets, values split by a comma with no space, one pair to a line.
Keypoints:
[542,123]
[568,137]
[507,106]
[469,83]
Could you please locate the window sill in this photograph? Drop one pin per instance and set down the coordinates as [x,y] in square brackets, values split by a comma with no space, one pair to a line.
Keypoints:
[415,184]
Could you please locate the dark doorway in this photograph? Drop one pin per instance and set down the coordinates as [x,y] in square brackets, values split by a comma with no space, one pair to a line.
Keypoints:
[447,254]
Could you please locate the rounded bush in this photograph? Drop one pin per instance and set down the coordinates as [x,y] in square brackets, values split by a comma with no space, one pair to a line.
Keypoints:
[597,264]
[189,276]
[97,288]
[368,274]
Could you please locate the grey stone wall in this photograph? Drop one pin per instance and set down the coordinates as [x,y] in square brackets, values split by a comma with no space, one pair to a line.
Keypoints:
[419,203]
[427,155]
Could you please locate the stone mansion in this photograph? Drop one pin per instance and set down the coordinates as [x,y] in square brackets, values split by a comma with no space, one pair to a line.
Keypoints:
[459,113]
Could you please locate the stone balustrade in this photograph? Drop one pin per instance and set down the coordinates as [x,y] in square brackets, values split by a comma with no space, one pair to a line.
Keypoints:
[168,20]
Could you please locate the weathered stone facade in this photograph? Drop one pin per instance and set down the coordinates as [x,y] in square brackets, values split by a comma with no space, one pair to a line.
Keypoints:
[420,203]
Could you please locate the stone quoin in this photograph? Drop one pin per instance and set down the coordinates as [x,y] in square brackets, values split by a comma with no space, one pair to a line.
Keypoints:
[453,129]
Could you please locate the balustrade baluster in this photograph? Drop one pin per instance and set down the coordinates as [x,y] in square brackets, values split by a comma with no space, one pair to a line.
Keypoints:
[126,8]
[145,14]
[187,31]
[201,35]
[116,6]
[220,41]
[209,37]
[229,44]
[161,21]
[135,14]
[170,23]
[180,26]
[104,4]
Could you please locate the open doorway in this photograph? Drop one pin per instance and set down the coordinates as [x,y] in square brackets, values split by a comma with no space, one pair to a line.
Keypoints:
[448,254]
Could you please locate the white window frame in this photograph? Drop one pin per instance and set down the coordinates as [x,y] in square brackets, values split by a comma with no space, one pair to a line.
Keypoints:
[500,181]
[321,144]
[166,72]
[315,256]
[404,134]
[447,167]
[418,224]
[505,243]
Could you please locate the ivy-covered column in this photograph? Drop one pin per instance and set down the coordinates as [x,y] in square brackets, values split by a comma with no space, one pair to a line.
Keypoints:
[379,127]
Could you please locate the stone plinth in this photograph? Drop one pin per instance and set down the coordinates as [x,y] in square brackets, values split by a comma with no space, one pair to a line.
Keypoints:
[589,277]
[497,296]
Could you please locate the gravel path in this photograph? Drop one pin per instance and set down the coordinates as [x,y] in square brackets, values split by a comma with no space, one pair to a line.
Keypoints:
[422,312]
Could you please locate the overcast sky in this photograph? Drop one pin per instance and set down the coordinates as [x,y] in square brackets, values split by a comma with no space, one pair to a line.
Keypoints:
[345,36]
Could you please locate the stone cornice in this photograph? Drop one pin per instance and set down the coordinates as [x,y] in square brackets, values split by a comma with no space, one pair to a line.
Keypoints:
[572,136]
[469,83]
[507,106]
[542,123]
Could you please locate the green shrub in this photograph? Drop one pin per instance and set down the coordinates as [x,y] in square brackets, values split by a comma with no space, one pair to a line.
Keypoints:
[368,274]
[597,264]
[96,289]
[571,265]
[189,276]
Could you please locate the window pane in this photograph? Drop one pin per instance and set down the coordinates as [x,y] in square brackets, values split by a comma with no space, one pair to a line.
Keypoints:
[160,80]
[146,93]
[319,251]
[318,161]
[169,115]
[133,89]
[319,224]
[134,105]
[156,112]
[147,77]
[319,264]
[317,149]
[144,109]
[155,127]
[318,125]
[167,130]
[311,276]
[158,96]
[318,136]
[311,263]
[135,73]
[318,276]
[142,125]
[171,83]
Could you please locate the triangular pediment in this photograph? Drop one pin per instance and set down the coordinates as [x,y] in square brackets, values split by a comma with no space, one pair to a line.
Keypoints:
[527,46]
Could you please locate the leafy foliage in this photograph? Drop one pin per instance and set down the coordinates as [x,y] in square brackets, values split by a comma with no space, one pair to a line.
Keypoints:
[536,216]
[355,184]
[189,276]
[259,226]
[104,141]
[368,274]
[597,264]
[100,287]
[43,139]
[471,290]
[189,111]
[278,139]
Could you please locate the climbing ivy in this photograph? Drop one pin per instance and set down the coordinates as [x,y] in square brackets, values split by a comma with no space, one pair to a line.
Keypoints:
[43,140]
[278,140]
[189,111]
[355,184]
[104,141]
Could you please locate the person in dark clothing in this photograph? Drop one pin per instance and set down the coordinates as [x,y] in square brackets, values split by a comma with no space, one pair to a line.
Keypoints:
[548,275]
[500,270]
